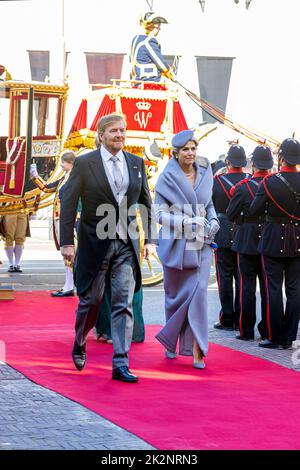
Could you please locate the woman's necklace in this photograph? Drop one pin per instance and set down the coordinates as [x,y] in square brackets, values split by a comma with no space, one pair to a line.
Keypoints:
[191,176]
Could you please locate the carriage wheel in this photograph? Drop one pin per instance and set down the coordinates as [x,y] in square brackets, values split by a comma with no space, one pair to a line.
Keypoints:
[152,272]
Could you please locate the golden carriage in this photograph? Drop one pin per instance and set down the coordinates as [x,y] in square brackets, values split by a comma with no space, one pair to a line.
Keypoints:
[31,130]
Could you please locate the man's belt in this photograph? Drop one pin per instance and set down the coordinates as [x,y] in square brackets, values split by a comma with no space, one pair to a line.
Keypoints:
[278,220]
[254,220]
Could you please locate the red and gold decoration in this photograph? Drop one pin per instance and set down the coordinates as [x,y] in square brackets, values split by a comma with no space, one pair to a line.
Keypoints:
[15,167]
[78,132]
[150,111]
[30,137]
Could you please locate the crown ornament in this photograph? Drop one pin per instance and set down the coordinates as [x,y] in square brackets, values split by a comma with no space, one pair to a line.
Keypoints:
[143,105]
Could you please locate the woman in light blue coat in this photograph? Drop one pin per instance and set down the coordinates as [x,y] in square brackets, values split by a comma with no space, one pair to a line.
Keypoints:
[188,220]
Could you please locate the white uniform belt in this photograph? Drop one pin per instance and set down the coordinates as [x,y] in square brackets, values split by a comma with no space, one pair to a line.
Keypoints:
[148,70]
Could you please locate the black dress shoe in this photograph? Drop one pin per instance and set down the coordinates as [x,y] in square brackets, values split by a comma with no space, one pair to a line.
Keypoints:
[18,269]
[63,293]
[287,344]
[123,373]
[79,356]
[245,338]
[218,325]
[266,343]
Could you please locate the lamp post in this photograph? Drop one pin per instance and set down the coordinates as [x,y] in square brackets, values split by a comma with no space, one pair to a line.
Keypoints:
[202,4]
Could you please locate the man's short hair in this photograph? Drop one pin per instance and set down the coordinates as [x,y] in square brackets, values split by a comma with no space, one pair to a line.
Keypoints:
[109,119]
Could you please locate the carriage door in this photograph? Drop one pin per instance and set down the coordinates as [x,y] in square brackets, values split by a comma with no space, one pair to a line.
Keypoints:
[15,148]
[46,131]
[4,123]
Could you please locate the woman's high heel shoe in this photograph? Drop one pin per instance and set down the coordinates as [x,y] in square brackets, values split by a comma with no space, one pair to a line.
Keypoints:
[198,356]
[170,355]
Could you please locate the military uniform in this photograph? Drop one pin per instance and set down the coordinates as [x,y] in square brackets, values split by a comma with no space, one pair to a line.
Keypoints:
[16,229]
[147,61]
[58,187]
[246,243]
[280,246]
[225,258]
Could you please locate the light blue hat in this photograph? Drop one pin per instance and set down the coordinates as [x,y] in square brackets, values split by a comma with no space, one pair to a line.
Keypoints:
[179,140]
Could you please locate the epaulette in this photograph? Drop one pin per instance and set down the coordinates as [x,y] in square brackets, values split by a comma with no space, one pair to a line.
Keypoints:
[271,174]
[203,162]
[240,183]
[232,190]
[245,180]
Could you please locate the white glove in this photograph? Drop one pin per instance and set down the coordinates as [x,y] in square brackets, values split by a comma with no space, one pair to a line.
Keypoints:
[194,227]
[199,221]
[33,171]
[213,228]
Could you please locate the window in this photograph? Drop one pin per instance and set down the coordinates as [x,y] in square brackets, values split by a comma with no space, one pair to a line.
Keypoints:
[39,65]
[4,111]
[45,116]
[4,121]
[214,78]
[20,107]
[103,67]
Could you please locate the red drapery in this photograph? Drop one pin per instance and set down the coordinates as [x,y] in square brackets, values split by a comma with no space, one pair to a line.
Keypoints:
[80,121]
[107,106]
[179,122]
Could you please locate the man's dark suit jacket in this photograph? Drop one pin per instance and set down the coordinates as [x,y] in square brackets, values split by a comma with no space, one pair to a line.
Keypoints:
[88,181]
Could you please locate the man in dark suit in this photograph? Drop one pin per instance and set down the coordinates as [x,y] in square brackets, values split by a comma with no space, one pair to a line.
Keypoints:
[246,241]
[280,246]
[226,259]
[110,184]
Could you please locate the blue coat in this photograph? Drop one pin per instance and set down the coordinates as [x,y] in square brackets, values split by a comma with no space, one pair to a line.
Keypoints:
[146,59]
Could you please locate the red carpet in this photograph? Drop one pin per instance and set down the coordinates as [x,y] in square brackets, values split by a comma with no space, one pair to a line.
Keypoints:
[237,402]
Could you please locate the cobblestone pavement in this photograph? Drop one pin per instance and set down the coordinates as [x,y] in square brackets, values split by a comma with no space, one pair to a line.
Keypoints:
[289,358]
[35,418]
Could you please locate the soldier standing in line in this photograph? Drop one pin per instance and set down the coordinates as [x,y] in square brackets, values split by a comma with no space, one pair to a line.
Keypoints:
[58,187]
[246,242]
[226,259]
[280,246]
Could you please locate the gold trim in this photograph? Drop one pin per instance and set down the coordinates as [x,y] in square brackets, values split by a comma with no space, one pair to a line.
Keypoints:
[41,86]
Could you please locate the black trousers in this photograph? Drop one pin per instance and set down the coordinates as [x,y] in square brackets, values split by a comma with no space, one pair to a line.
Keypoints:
[282,322]
[227,272]
[250,269]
